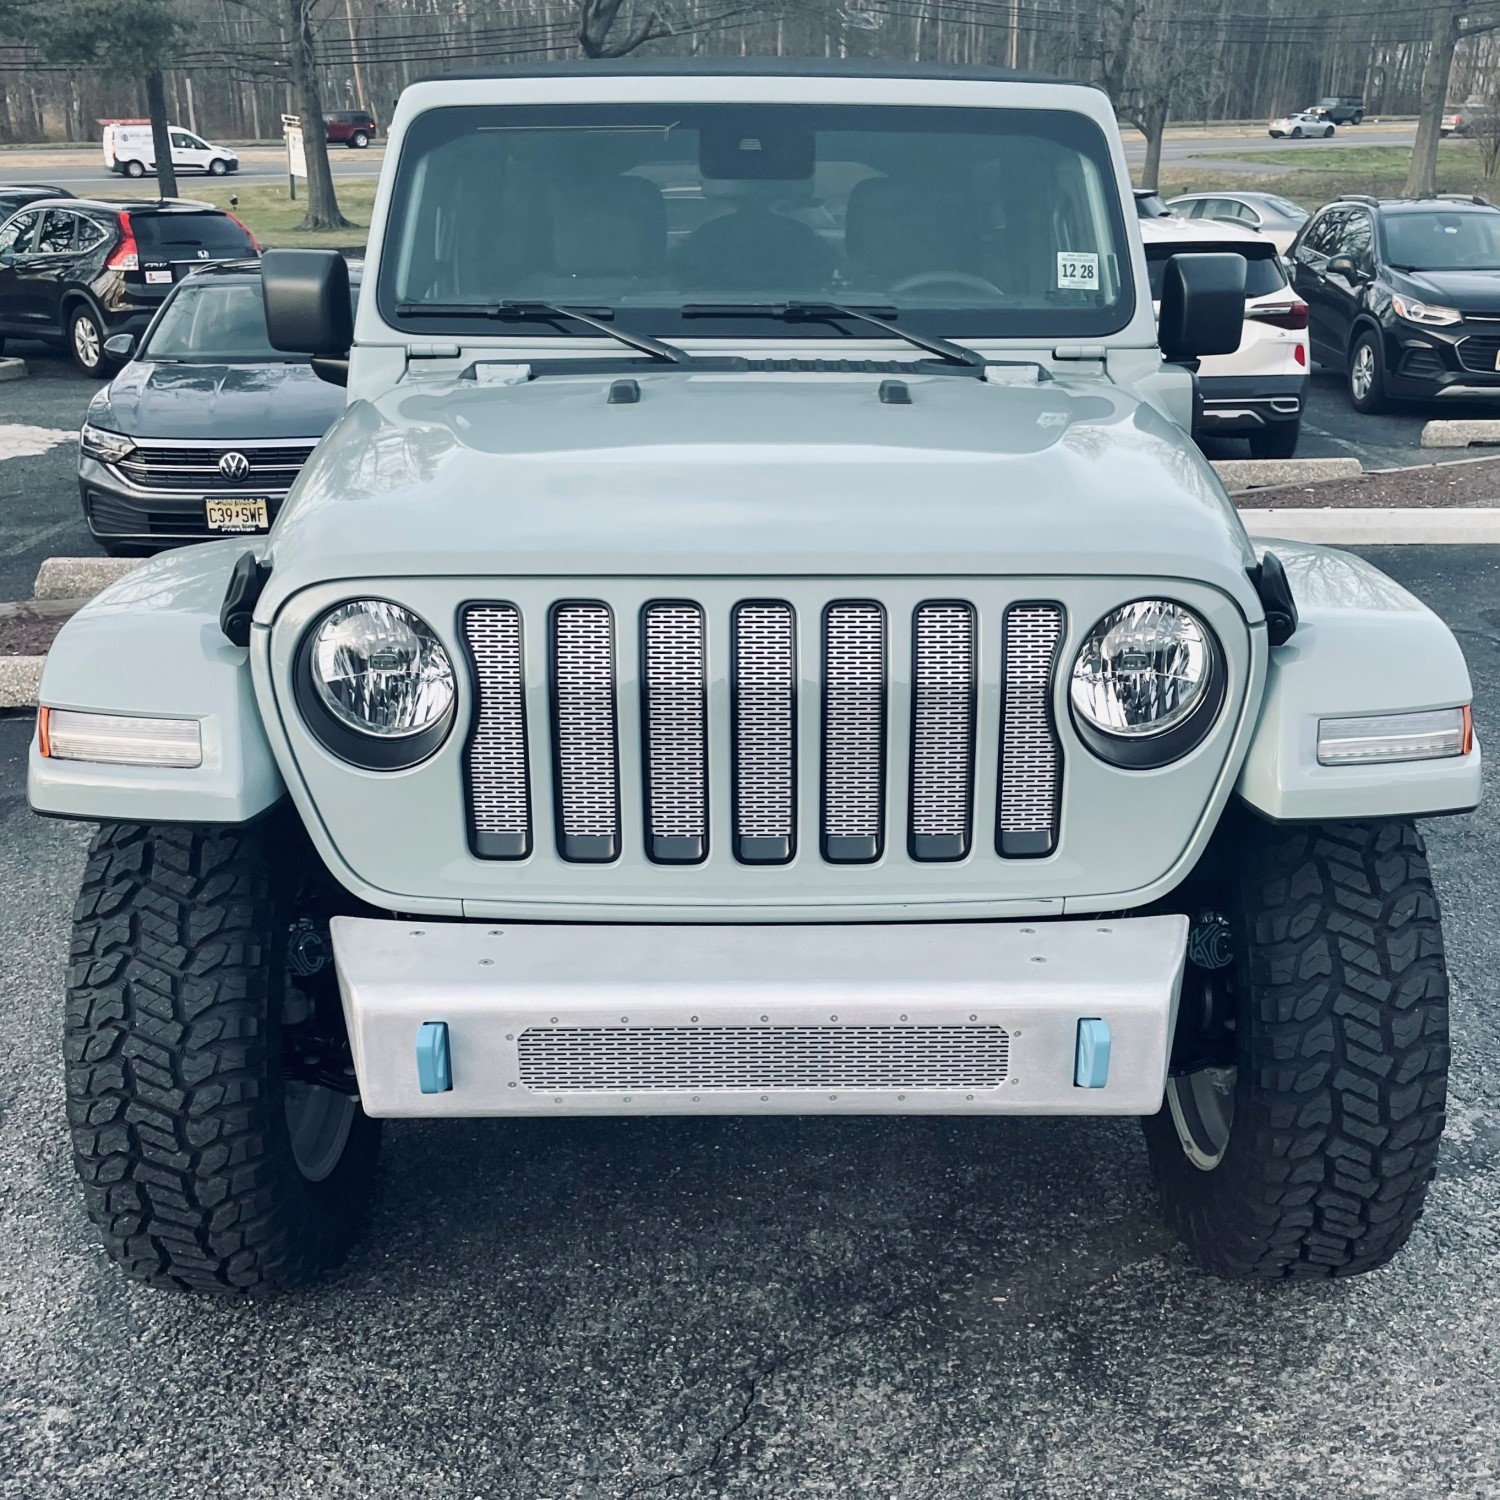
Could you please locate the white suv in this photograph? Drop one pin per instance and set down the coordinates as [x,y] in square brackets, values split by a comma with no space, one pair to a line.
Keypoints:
[1256,392]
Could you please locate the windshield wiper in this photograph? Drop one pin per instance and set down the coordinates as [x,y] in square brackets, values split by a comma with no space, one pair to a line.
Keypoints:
[545,312]
[831,312]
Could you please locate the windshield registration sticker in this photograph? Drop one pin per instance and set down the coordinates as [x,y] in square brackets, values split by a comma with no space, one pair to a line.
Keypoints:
[1077,271]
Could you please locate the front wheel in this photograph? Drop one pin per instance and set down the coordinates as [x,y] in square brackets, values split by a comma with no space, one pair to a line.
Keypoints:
[1306,1095]
[1276,441]
[135,169]
[215,1127]
[217,167]
[1328,132]
[1358,119]
[1367,373]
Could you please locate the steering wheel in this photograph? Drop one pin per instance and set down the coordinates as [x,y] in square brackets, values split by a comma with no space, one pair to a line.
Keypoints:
[948,278]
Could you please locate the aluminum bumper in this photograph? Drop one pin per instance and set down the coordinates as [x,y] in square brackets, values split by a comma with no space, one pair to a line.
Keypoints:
[918,1018]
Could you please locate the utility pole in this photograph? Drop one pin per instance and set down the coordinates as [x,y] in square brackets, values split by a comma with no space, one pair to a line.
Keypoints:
[359,77]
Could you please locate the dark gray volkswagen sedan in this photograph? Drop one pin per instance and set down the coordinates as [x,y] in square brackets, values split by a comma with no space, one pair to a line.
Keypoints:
[204,430]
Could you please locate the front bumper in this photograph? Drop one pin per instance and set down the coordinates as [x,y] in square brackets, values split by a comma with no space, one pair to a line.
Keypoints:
[1457,363]
[118,511]
[946,1018]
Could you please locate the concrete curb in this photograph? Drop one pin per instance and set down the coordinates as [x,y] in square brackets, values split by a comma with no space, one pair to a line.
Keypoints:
[1240,474]
[1348,526]
[20,678]
[1454,432]
[80,577]
[13,369]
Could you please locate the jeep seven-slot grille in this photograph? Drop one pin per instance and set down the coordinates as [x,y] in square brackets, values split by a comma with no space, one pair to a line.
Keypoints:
[932,810]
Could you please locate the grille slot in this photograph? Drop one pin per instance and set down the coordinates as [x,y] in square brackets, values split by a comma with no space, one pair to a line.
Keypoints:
[853,732]
[944,682]
[764,732]
[499,779]
[675,726]
[585,743]
[190,467]
[1480,352]
[1030,756]
[669,1059]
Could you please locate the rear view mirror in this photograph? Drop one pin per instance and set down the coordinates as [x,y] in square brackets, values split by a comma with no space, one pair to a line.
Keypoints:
[307,302]
[1202,306]
[121,346]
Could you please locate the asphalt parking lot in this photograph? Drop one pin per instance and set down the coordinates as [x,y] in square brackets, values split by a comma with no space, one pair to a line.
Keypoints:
[592,1310]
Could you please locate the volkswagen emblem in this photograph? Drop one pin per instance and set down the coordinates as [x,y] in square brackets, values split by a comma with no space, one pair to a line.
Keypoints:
[234,467]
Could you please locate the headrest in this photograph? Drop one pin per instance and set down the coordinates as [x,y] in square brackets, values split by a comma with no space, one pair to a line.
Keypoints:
[616,226]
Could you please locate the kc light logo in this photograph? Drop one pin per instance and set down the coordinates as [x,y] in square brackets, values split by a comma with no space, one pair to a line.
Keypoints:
[234,467]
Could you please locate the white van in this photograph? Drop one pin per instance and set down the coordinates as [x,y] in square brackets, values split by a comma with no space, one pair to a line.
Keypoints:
[130,150]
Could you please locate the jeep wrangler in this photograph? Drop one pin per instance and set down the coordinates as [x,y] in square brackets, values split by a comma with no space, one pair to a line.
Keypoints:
[759,640]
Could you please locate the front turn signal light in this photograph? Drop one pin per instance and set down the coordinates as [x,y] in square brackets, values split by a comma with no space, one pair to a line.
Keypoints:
[1382,739]
[118,740]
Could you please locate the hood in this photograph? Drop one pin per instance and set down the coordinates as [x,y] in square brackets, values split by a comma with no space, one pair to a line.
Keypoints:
[760,474]
[1469,291]
[217,402]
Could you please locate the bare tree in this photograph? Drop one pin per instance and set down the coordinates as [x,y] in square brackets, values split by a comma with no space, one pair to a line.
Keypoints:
[1447,27]
[596,27]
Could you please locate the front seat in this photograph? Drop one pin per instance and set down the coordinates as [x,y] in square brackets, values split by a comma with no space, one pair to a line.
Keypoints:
[605,232]
[896,230]
[752,249]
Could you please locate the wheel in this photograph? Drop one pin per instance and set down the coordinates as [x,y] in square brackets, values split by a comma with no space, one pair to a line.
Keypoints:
[1328,132]
[1297,133]
[217,167]
[359,140]
[1367,373]
[1279,440]
[86,342]
[1357,118]
[214,1126]
[135,169]
[1306,1096]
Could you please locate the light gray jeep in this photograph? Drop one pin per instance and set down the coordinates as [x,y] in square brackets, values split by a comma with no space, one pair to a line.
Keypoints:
[759,641]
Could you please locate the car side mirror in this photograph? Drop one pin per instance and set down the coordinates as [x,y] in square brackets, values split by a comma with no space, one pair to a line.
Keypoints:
[1202,306]
[1347,267]
[307,302]
[121,346]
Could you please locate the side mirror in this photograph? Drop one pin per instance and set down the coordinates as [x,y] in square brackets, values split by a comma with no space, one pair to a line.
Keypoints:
[1202,306]
[121,346]
[1347,267]
[307,302]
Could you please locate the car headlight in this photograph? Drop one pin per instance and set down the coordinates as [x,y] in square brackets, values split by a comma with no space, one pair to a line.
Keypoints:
[1146,684]
[110,447]
[1425,312]
[377,686]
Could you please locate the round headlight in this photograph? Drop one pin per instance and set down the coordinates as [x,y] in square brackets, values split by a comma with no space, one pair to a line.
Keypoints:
[1145,682]
[381,682]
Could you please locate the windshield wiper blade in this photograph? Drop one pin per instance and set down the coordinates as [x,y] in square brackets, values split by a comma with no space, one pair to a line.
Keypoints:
[545,312]
[831,312]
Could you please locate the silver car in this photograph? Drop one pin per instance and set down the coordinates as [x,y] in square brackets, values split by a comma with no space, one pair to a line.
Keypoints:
[1279,219]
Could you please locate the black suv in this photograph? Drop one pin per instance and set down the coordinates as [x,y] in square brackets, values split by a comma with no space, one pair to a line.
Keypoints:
[75,272]
[16,195]
[1342,109]
[1403,294]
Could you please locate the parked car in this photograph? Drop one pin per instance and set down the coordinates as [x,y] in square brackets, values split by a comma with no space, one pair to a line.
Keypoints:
[17,195]
[1464,119]
[130,150]
[1277,218]
[1403,295]
[205,429]
[1342,109]
[1258,391]
[756,701]
[350,127]
[1301,126]
[76,272]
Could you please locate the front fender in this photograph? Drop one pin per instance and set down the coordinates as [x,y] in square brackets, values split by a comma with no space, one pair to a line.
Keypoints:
[1364,645]
[151,645]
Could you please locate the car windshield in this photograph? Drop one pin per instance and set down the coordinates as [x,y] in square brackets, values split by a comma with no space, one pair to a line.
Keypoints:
[967,222]
[1263,273]
[1438,241]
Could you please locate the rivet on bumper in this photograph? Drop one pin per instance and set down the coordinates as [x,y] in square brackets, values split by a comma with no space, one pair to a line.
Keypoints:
[434,1071]
[1091,1065]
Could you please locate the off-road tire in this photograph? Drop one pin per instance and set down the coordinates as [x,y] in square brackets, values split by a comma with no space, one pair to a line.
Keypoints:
[175,1089]
[1279,440]
[1341,1048]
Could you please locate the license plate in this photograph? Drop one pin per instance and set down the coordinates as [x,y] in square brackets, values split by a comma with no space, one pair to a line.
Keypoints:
[238,515]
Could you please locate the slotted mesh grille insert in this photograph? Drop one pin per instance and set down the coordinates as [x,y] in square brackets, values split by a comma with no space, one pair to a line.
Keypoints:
[583,688]
[676,721]
[942,750]
[1030,757]
[764,721]
[619,1059]
[498,782]
[854,724]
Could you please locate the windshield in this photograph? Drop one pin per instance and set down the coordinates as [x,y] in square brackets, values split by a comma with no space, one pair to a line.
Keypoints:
[960,222]
[1438,241]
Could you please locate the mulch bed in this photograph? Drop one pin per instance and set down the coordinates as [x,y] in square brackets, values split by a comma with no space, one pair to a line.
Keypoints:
[1468,483]
[28,634]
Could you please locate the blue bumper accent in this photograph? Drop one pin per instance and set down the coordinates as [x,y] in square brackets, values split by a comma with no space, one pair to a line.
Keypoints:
[1091,1066]
[434,1072]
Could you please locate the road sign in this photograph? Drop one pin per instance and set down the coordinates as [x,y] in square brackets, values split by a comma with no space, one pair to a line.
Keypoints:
[296,157]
